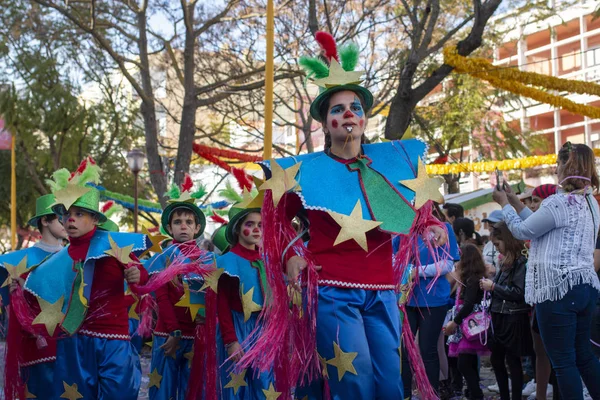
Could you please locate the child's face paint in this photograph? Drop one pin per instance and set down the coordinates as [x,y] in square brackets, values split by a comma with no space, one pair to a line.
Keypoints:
[335,123]
[251,232]
[346,117]
[356,108]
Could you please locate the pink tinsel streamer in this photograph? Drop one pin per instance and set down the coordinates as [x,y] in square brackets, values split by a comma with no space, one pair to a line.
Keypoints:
[148,309]
[282,328]
[14,387]
[22,310]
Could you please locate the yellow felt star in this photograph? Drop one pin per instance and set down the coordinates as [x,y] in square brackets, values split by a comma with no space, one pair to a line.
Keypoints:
[189,356]
[155,240]
[339,76]
[271,394]
[185,301]
[257,201]
[212,280]
[183,197]
[248,304]
[70,194]
[15,271]
[342,361]
[132,313]
[237,381]
[28,394]
[425,188]
[120,253]
[155,379]
[50,314]
[324,371]
[71,392]
[281,180]
[353,226]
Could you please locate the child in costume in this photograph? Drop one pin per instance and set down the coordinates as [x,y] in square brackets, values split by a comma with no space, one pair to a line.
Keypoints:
[80,291]
[37,354]
[243,289]
[180,303]
[356,198]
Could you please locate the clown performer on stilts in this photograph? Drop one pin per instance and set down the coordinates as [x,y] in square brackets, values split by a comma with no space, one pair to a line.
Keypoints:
[356,198]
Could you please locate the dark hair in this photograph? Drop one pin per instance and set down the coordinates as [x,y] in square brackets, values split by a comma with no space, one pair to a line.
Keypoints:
[238,227]
[471,264]
[454,210]
[512,246]
[179,211]
[437,212]
[49,218]
[324,109]
[464,227]
[578,159]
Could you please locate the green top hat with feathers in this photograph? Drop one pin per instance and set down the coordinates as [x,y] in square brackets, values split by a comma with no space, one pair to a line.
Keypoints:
[184,198]
[334,72]
[71,189]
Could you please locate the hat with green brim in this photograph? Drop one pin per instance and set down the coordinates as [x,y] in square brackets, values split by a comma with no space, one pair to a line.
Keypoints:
[165,218]
[236,216]
[90,202]
[43,207]
[325,95]
[219,240]
[109,226]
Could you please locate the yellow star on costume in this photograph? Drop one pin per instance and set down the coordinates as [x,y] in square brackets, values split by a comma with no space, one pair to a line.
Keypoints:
[185,301]
[353,226]
[342,361]
[50,314]
[155,379]
[281,180]
[132,313]
[155,240]
[120,253]
[425,188]
[212,280]
[339,76]
[70,194]
[271,394]
[71,392]
[28,394]
[189,356]
[15,271]
[256,201]
[324,371]
[248,304]
[237,381]
[185,197]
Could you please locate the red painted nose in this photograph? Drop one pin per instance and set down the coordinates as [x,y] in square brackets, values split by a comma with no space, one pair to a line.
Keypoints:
[348,114]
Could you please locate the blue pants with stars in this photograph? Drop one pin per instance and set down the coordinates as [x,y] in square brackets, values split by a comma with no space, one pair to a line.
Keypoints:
[175,372]
[254,381]
[358,335]
[102,369]
[39,379]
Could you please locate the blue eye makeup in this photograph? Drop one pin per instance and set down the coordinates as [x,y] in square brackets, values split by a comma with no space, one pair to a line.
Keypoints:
[356,108]
[336,110]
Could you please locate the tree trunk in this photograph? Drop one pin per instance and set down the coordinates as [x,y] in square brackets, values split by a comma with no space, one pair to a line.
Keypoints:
[453,183]
[188,113]
[148,110]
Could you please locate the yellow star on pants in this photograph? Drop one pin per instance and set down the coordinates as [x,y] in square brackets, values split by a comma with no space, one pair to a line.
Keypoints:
[425,188]
[281,180]
[71,392]
[50,314]
[248,304]
[189,356]
[271,394]
[15,271]
[155,379]
[185,301]
[212,280]
[237,381]
[353,226]
[28,394]
[342,361]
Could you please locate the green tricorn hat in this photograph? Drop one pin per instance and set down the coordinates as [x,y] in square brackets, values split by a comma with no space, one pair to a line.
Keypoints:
[72,190]
[219,240]
[334,72]
[43,207]
[183,198]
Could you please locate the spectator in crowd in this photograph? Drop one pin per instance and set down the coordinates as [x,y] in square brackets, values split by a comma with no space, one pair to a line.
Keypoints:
[453,211]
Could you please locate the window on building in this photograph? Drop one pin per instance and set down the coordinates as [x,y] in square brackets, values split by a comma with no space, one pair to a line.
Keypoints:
[593,57]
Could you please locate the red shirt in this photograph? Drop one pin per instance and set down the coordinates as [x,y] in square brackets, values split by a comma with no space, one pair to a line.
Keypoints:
[228,296]
[346,264]
[170,316]
[107,315]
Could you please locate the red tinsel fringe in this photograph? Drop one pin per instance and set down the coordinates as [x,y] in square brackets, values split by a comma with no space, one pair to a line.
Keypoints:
[14,387]
[234,155]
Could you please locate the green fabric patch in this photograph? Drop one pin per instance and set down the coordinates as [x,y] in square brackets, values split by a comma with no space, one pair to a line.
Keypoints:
[262,273]
[77,309]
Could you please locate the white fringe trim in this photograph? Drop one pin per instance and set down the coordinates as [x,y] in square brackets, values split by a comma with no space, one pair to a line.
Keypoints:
[39,361]
[100,335]
[164,334]
[352,285]
[557,292]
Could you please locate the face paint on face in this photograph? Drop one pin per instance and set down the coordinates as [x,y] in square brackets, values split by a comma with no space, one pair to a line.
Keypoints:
[356,108]
[251,231]
[361,122]
[246,232]
[348,114]
[335,123]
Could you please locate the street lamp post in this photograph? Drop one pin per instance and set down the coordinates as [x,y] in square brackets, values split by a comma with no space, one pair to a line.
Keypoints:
[135,159]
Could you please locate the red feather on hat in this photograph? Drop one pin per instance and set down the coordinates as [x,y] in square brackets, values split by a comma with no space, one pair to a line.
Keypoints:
[242,178]
[218,219]
[107,206]
[327,43]
[187,184]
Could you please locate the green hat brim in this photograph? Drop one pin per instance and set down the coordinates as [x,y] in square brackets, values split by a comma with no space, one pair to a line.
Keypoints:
[234,220]
[43,207]
[219,240]
[325,95]
[34,220]
[109,226]
[166,215]
[60,210]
